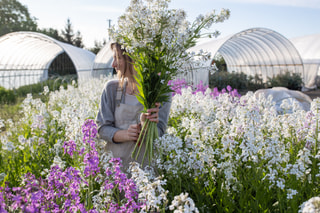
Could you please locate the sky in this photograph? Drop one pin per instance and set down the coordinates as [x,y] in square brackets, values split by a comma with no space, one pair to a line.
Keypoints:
[291,18]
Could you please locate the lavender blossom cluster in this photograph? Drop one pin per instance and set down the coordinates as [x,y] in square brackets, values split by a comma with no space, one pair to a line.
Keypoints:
[178,84]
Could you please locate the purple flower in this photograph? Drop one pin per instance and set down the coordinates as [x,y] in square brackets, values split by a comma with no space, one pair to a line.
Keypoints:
[89,130]
[2,201]
[117,180]
[70,147]
[200,88]
[177,85]
[91,160]
[235,93]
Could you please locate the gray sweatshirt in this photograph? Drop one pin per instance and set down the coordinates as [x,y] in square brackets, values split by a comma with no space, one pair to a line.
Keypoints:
[105,118]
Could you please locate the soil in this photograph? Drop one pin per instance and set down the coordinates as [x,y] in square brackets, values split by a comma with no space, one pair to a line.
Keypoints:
[313,93]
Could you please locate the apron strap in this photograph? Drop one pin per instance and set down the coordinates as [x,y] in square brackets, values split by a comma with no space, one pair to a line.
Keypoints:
[120,92]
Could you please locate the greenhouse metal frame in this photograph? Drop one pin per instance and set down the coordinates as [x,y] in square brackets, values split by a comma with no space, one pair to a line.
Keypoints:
[256,51]
[309,49]
[25,58]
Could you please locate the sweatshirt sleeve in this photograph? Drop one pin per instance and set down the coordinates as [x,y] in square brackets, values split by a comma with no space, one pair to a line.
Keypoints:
[105,118]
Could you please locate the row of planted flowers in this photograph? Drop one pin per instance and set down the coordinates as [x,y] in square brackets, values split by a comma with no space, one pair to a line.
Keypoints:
[221,153]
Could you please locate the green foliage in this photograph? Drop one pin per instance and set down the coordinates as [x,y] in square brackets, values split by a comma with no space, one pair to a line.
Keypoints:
[251,187]
[7,96]
[69,36]
[244,83]
[239,81]
[10,100]
[53,33]
[33,151]
[98,46]
[220,63]
[10,111]
[53,84]
[15,17]
[289,80]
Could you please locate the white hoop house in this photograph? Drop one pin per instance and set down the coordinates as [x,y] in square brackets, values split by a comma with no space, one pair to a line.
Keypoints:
[256,51]
[103,62]
[253,51]
[309,49]
[25,58]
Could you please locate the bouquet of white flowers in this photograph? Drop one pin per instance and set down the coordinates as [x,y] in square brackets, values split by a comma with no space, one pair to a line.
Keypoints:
[157,39]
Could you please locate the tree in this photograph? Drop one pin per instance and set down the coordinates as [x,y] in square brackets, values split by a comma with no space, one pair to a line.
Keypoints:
[54,33]
[67,33]
[78,40]
[69,36]
[98,46]
[15,17]
[220,63]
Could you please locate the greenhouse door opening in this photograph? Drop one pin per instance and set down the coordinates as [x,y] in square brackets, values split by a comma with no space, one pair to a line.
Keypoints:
[62,65]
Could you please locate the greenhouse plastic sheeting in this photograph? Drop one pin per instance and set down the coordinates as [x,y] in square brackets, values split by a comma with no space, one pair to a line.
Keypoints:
[255,51]
[26,56]
[103,62]
[309,49]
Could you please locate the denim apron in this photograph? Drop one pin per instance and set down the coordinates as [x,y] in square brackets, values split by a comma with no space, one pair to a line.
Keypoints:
[126,115]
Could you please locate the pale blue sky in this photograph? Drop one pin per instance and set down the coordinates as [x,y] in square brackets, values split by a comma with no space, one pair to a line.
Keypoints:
[291,18]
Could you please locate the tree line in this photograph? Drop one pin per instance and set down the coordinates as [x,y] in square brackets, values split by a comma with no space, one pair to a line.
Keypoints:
[16,17]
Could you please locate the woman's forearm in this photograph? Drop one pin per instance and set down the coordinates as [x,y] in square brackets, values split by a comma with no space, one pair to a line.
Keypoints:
[130,134]
[121,136]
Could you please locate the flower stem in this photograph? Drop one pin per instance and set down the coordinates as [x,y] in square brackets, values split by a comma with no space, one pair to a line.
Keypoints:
[140,140]
[149,141]
[149,133]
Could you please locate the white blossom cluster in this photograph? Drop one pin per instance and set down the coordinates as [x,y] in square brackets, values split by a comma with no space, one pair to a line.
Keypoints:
[310,206]
[217,137]
[72,106]
[34,120]
[66,108]
[183,204]
[226,133]
[181,157]
[150,188]
[150,25]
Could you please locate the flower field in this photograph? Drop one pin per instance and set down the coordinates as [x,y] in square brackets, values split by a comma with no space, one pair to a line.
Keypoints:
[221,153]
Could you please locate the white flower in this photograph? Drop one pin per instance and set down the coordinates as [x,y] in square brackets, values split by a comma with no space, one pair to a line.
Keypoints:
[22,139]
[150,188]
[2,176]
[291,193]
[310,206]
[57,161]
[9,146]
[46,90]
[182,203]
[2,124]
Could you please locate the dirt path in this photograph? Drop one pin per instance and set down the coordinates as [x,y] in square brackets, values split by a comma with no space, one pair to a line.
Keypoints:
[313,93]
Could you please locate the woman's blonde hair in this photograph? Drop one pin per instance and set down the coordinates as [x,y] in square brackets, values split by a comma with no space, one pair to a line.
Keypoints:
[128,66]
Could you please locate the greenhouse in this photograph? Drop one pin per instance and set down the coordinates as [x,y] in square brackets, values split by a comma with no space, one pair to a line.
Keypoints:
[29,57]
[309,49]
[103,62]
[258,51]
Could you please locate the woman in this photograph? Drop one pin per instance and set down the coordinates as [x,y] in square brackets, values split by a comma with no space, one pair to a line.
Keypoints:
[119,118]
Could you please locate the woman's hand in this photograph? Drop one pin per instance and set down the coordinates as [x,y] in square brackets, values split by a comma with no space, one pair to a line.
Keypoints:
[133,132]
[130,134]
[151,114]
